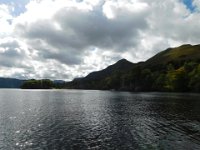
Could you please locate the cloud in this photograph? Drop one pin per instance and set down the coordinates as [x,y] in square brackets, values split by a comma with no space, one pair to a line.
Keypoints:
[10,53]
[65,39]
[5,20]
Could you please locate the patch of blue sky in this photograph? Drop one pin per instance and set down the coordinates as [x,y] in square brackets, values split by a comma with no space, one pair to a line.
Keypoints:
[19,5]
[189,5]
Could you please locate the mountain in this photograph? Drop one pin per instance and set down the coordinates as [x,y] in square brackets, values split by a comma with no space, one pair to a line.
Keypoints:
[58,81]
[10,83]
[174,69]
[122,65]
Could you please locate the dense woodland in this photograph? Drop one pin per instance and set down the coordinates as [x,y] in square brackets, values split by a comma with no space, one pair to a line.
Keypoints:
[181,78]
[38,84]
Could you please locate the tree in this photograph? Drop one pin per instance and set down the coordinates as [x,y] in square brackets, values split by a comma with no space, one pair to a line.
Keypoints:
[160,81]
[37,84]
[177,80]
[194,83]
[146,79]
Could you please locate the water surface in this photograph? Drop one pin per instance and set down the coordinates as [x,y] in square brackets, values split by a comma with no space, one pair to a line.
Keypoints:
[81,119]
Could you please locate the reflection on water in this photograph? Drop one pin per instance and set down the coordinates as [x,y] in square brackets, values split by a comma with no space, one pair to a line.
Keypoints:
[75,119]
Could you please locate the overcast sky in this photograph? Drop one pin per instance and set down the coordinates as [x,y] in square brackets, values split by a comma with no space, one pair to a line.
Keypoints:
[63,39]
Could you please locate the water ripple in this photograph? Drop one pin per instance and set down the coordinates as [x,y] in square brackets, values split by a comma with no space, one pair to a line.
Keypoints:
[72,119]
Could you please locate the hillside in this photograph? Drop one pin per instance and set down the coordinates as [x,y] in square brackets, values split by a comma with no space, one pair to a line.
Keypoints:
[175,55]
[10,83]
[122,65]
[174,69]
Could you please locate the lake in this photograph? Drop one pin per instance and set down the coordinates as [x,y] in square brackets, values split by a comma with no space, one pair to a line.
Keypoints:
[82,119]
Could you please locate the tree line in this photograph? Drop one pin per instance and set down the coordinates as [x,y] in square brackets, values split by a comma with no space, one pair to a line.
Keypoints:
[170,77]
[38,84]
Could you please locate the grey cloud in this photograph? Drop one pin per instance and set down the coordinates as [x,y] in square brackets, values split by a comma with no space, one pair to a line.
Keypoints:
[12,55]
[82,30]
[95,29]
[67,57]
[10,45]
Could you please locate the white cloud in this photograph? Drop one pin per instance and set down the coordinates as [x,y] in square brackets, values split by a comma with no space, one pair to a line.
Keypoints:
[196,3]
[113,9]
[5,20]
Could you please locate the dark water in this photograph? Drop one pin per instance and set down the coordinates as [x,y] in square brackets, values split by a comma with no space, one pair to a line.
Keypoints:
[73,119]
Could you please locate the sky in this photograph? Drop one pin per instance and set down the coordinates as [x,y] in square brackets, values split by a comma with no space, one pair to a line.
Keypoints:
[65,39]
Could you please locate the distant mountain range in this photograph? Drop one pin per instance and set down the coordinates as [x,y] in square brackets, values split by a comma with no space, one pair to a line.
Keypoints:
[174,69]
[10,83]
